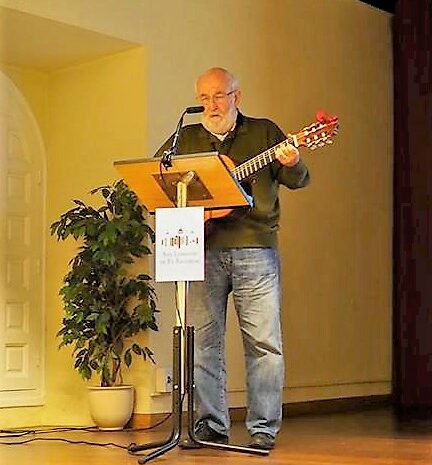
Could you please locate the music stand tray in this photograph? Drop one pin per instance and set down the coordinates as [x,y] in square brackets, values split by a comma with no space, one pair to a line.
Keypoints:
[213,186]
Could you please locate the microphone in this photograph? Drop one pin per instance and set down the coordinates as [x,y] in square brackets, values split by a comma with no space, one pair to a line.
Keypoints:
[197,109]
[167,155]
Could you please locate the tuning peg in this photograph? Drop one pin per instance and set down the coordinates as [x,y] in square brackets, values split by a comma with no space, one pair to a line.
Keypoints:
[329,141]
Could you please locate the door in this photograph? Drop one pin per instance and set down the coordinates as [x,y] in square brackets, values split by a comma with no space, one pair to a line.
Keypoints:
[22,218]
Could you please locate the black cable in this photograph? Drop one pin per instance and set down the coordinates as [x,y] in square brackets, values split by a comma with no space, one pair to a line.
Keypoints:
[167,190]
[7,433]
[161,422]
[69,441]
[4,433]
[14,433]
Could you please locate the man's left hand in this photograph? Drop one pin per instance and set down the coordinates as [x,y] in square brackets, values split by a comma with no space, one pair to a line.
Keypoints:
[287,155]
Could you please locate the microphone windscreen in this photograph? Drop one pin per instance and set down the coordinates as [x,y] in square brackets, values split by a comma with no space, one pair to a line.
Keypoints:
[197,109]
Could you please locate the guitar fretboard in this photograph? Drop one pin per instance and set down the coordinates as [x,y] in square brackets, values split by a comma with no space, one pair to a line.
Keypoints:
[260,161]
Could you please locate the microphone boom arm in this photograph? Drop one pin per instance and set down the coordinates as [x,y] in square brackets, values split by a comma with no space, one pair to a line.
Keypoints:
[169,153]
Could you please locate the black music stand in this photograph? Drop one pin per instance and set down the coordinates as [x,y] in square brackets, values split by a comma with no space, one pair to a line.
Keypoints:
[193,180]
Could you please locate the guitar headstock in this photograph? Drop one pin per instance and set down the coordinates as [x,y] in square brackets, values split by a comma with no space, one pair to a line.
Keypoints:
[319,133]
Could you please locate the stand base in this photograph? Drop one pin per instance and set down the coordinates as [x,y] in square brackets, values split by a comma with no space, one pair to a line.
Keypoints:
[173,440]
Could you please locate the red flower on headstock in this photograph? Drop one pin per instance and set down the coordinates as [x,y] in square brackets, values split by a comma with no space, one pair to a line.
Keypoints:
[323,117]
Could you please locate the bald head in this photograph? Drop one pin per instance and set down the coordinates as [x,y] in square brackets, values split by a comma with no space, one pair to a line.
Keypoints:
[221,74]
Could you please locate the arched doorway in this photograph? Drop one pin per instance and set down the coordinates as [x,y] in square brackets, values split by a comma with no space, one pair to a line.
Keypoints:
[22,250]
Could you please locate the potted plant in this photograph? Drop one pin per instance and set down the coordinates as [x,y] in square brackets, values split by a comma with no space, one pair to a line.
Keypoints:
[105,304]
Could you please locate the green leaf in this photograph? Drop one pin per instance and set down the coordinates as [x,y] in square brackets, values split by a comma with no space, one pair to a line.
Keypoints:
[150,354]
[118,348]
[137,349]
[94,365]
[128,358]
[152,325]
[85,371]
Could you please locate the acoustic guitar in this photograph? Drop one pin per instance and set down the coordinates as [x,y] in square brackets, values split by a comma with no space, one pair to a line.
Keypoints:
[316,135]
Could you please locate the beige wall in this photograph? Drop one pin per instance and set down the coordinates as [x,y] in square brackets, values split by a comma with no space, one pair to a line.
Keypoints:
[292,58]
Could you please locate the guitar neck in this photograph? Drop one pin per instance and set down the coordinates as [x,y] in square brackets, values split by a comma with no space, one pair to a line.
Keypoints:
[313,136]
[254,164]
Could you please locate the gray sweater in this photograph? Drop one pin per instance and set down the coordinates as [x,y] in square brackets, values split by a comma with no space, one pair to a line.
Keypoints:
[246,227]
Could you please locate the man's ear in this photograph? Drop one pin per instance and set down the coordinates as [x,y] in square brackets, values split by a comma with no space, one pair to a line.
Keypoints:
[237,97]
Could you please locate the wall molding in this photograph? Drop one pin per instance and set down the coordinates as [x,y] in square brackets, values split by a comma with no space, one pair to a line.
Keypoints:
[316,407]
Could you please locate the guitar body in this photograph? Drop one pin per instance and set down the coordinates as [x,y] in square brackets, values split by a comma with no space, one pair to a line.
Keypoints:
[212,214]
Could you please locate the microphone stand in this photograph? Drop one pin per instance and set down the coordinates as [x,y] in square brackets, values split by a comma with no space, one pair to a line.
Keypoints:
[178,338]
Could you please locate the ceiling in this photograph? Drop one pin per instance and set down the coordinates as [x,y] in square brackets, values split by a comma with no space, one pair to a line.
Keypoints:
[32,41]
[385,5]
[46,45]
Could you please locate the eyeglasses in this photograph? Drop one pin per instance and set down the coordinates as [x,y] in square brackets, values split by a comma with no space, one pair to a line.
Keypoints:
[220,97]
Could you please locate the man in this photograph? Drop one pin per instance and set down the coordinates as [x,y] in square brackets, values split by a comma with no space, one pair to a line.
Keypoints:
[242,259]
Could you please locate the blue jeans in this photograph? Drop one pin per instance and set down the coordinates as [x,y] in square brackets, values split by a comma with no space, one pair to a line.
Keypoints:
[252,275]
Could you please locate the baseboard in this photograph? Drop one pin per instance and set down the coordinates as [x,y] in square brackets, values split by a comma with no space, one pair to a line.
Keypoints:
[147,420]
[340,405]
[316,407]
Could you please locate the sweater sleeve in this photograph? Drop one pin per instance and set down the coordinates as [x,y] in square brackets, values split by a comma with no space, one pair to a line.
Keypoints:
[293,177]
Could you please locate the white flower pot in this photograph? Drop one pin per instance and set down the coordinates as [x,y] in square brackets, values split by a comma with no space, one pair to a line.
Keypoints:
[111,407]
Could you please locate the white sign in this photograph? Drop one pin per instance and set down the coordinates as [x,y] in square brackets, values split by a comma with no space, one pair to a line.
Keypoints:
[179,244]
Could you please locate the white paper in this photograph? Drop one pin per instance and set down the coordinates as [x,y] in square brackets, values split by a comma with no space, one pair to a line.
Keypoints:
[179,244]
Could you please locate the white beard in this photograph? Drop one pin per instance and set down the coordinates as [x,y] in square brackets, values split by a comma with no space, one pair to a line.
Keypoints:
[218,124]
